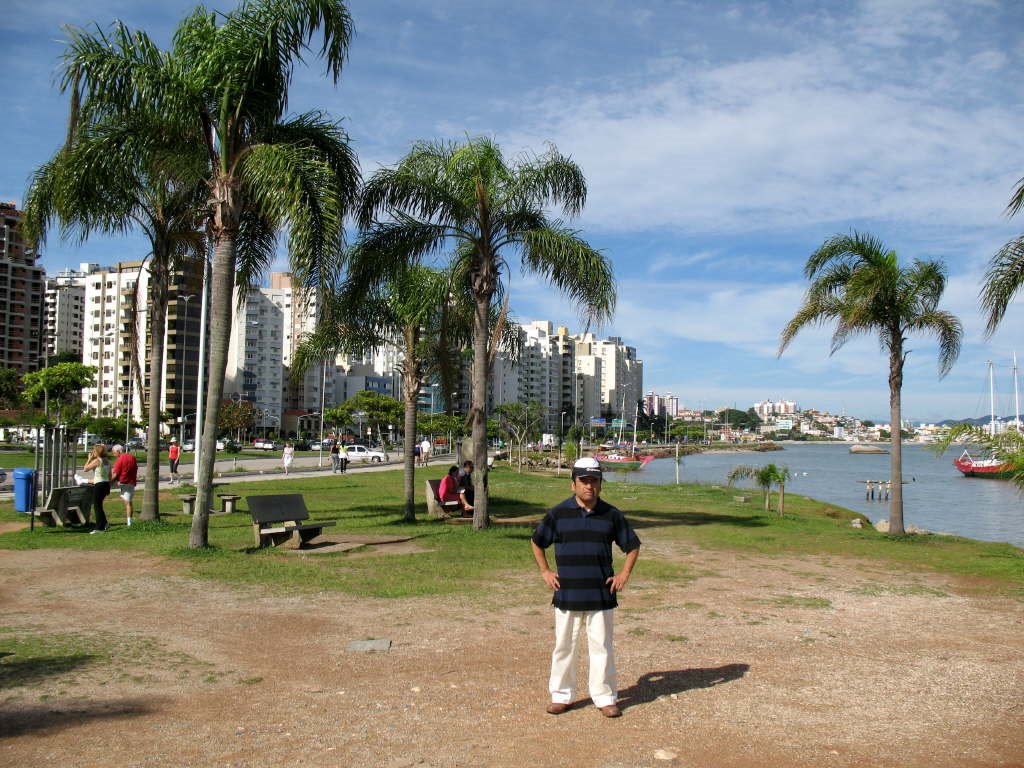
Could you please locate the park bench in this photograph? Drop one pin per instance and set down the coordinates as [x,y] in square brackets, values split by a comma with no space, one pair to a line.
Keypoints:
[436,507]
[68,505]
[277,520]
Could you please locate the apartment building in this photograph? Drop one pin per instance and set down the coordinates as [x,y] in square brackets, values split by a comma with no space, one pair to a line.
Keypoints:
[65,310]
[21,296]
[621,373]
[255,370]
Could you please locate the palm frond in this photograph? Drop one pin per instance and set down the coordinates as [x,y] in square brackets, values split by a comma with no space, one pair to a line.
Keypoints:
[567,261]
[1003,279]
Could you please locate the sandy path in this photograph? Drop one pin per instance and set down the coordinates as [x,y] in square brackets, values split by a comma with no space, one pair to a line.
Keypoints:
[759,661]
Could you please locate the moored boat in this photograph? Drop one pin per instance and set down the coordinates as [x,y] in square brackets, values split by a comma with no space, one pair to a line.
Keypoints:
[993,468]
[615,460]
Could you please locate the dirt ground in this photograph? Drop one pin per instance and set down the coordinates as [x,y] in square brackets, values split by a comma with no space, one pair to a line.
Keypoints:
[757,662]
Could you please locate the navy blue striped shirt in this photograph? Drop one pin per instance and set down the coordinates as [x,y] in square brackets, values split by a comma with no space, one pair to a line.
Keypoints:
[583,552]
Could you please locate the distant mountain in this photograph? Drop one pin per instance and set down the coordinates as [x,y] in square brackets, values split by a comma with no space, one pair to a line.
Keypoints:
[981,421]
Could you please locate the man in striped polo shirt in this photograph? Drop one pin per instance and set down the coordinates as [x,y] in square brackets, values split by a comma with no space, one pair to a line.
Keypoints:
[582,528]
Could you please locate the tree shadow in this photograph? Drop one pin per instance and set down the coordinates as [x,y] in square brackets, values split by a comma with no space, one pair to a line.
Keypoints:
[656,684]
[640,518]
[19,672]
[57,716]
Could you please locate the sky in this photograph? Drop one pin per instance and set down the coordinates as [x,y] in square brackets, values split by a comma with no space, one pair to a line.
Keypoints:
[722,143]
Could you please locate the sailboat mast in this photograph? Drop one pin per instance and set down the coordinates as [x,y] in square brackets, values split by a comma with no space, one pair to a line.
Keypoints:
[636,418]
[992,399]
[1016,394]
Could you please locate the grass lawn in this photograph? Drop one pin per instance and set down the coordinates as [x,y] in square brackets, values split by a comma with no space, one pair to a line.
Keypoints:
[456,559]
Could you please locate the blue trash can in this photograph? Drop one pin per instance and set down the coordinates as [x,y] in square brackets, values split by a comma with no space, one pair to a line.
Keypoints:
[24,489]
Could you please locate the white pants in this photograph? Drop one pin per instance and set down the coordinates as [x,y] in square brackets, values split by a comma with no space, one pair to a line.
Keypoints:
[598,624]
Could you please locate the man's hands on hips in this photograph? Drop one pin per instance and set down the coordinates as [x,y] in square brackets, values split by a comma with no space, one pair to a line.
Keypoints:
[618,582]
[550,578]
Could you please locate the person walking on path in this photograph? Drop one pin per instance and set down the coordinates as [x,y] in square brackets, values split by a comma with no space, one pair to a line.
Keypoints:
[425,452]
[99,465]
[335,457]
[288,456]
[343,457]
[585,585]
[174,456]
[126,473]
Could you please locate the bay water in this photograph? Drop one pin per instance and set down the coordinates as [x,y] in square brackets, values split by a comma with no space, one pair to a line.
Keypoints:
[936,496]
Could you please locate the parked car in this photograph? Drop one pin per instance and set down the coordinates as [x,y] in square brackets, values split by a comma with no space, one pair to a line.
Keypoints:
[136,443]
[188,445]
[364,454]
[263,444]
[302,445]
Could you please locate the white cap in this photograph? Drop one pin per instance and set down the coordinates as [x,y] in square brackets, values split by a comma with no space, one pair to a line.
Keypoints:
[587,467]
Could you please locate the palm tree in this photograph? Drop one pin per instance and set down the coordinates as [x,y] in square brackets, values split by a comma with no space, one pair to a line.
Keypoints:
[466,196]
[861,286]
[225,81]
[1005,273]
[111,176]
[765,477]
[372,309]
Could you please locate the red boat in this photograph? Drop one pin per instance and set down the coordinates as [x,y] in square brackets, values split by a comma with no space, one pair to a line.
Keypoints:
[622,461]
[972,467]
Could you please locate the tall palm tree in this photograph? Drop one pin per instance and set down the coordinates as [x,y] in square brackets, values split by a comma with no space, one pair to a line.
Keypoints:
[413,305]
[465,197]
[1005,274]
[859,284]
[111,176]
[226,81]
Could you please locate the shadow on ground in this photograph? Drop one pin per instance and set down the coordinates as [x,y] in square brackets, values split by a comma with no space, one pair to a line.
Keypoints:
[55,716]
[16,672]
[656,684]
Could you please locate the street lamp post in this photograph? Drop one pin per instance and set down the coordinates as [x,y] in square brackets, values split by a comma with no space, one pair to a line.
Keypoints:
[561,437]
[323,402]
[181,358]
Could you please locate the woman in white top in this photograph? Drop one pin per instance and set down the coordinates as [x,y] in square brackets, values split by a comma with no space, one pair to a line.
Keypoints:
[99,464]
[288,457]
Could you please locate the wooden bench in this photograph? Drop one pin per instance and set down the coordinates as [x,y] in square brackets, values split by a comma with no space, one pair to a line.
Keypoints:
[277,521]
[68,505]
[436,507]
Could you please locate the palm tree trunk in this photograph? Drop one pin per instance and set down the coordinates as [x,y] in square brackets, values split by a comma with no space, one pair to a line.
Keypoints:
[157,321]
[411,387]
[767,498]
[896,440]
[221,316]
[478,412]
[782,499]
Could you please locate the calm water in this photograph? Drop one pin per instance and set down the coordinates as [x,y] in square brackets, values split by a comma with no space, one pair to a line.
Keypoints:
[936,496]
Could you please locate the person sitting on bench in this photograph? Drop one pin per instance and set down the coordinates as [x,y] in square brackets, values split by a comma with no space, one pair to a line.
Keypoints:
[450,490]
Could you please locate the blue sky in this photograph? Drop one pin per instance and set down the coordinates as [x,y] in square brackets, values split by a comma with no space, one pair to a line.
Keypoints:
[722,143]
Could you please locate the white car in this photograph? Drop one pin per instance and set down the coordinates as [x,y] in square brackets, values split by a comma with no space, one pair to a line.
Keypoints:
[364,454]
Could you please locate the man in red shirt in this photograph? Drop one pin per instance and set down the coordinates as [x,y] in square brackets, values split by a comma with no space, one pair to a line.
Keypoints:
[126,472]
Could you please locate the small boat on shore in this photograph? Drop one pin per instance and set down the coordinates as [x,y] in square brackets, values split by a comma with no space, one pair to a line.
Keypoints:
[992,468]
[615,460]
[867,448]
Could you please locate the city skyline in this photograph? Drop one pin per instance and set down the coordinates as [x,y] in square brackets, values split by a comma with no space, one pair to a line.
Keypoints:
[721,143]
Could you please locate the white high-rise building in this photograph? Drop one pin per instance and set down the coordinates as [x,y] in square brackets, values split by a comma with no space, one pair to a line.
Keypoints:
[115,339]
[255,371]
[65,310]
